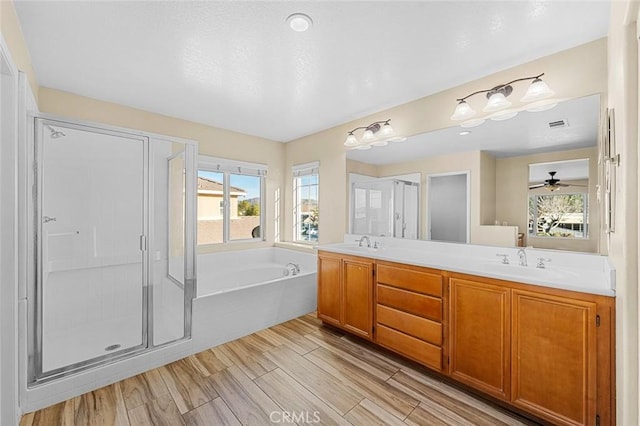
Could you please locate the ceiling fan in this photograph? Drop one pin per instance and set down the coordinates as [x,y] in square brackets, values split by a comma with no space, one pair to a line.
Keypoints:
[552,184]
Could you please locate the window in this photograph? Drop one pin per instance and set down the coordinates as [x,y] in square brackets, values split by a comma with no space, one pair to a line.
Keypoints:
[230,200]
[305,197]
[558,215]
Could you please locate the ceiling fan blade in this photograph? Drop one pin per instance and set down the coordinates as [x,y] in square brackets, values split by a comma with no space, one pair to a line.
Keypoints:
[537,186]
[571,184]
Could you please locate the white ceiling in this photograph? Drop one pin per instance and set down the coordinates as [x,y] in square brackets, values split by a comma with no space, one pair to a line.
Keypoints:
[237,65]
[526,133]
[565,170]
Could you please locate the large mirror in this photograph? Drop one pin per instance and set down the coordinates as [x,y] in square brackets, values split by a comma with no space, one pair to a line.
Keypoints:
[503,159]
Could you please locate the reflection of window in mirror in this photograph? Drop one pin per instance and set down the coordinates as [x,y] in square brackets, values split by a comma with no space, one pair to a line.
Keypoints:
[559,199]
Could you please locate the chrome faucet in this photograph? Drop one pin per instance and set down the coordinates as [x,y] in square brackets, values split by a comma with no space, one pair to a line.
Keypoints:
[364,237]
[523,257]
[295,268]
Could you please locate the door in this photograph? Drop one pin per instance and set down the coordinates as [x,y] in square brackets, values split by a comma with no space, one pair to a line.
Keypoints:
[448,209]
[91,241]
[330,289]
[480,336]
[554,357]
[358,296]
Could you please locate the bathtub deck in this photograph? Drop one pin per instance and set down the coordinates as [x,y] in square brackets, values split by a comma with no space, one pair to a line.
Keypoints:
[297,371]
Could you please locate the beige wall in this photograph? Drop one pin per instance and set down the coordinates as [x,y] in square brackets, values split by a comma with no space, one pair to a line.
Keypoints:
[332,183]
[623,244]
[572,73]
[211,141]
[487,189]
[12,34]
[512,197]
[361,168]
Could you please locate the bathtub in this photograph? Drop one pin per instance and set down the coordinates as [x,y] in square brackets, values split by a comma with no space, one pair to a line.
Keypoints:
[241,292]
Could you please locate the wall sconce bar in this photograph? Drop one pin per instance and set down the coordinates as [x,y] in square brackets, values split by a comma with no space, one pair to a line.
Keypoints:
[497,100]
[378,133]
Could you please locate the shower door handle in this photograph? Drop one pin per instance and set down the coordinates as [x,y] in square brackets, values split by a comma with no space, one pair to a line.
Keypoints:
[47,219]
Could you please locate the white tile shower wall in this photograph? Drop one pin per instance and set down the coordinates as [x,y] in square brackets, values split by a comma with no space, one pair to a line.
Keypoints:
[103,228]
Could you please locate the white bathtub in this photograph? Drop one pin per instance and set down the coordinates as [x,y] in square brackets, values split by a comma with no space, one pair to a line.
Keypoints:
[241,292]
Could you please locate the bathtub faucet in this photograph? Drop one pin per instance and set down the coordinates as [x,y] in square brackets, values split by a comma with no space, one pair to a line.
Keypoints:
[295,268]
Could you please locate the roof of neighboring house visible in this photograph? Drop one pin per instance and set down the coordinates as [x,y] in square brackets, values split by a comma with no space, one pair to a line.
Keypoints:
[211,186]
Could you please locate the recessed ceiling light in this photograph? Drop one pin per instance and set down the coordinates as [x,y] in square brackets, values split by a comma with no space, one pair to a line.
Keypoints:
[299,22]
[465,133]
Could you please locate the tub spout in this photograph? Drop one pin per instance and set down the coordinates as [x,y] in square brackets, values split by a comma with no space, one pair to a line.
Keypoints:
[295,268]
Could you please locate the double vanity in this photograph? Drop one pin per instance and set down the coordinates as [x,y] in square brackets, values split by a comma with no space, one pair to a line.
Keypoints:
[533,329]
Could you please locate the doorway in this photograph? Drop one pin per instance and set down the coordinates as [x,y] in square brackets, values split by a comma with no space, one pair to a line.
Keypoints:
[448,207]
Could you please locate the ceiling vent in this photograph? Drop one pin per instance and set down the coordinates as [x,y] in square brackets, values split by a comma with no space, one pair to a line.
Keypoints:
[558,124]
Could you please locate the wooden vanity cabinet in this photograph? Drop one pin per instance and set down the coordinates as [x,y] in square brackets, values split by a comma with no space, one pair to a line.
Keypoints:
[546,351]
[345,293]
[554,352]
[479,335]
[409,312]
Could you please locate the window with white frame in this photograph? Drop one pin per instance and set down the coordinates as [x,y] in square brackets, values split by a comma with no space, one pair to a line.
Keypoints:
[230,200]
[305,198]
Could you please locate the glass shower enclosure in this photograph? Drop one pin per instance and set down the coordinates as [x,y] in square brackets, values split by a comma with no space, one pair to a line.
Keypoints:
[114,245]
[385,207]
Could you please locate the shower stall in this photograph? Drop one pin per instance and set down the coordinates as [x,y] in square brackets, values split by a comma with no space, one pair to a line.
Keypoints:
[385,207]
[113,255]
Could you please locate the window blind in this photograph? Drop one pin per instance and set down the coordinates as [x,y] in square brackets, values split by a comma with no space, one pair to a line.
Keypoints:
[311,168]
[232,166]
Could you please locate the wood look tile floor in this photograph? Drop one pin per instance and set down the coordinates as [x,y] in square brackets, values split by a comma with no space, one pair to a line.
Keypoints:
[296,372]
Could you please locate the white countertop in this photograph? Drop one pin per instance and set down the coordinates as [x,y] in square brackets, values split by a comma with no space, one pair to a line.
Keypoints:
[583,272]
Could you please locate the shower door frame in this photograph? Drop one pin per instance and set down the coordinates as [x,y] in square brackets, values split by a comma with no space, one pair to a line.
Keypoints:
[34,326]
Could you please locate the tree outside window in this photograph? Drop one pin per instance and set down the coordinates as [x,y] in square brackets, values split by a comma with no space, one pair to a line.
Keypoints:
[558,215]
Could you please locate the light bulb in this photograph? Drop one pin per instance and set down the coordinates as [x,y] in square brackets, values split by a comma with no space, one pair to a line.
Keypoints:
[463,111]
[496,102]
[368,136]
[537,90]
[351,140]
[387,131]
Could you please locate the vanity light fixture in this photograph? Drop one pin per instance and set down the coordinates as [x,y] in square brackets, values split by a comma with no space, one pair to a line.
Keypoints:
[497,101]
[378,133]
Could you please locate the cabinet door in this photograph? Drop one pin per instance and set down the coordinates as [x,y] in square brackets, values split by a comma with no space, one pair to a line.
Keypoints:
[480,336]
[330,289]
[554,357]
[358,297]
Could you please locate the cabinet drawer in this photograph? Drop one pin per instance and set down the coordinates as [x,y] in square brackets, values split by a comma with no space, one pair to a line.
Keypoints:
[412,325]
[409,279]
[408,301]
[416,349]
